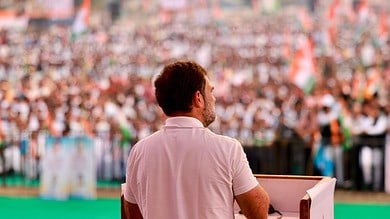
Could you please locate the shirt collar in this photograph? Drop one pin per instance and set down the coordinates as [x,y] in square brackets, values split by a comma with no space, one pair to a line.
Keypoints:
[183,121]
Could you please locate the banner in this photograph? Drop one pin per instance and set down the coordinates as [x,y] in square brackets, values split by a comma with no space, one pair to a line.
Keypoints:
[270,6]
[68,169]
[11,20]
[59,9]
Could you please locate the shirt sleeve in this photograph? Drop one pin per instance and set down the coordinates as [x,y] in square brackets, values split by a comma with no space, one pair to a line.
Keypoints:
[243,178]
[128,195]
[130,180]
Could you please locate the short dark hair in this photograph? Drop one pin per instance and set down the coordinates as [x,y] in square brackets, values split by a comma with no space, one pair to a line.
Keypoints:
[176,85]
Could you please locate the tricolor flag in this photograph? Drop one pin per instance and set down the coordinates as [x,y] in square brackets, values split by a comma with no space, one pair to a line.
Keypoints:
[333,21]
[81,21]
[217,11]
[286,45]
[383,27]
[302,68]
[255,5]
[146,5]
[373,83]
[358,85]
[305,20]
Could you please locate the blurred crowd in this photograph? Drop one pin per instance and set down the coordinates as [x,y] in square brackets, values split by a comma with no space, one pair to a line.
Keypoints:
[99,84]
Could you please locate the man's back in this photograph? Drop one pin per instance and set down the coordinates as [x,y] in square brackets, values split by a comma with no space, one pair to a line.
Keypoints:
[186,171]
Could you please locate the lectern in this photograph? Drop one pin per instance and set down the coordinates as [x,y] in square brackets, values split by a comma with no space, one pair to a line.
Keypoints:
[295,197]
[298,197]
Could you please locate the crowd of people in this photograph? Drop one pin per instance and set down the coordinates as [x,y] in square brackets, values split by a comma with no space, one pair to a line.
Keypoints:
[100,85]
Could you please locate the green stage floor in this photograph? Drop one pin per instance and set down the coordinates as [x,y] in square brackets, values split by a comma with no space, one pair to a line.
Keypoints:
[361,211]
[109,208]
[35,208]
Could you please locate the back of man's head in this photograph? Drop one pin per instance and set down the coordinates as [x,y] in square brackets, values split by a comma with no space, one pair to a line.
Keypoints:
[176,85]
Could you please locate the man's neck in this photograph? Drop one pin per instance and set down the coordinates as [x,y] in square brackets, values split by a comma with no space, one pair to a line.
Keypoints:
[189,114]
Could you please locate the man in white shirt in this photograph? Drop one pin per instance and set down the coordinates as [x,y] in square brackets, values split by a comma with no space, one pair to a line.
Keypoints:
[185,171]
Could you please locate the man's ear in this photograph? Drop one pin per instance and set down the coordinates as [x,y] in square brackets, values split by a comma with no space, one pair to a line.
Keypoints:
[198,99]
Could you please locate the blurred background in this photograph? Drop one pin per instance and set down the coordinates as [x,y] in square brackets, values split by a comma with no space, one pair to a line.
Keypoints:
[302,84]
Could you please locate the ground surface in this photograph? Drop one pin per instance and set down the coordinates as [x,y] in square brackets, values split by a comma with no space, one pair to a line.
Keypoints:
[340,195]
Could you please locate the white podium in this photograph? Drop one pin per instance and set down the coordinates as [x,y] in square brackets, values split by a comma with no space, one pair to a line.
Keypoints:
[298,197]
[295,197]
